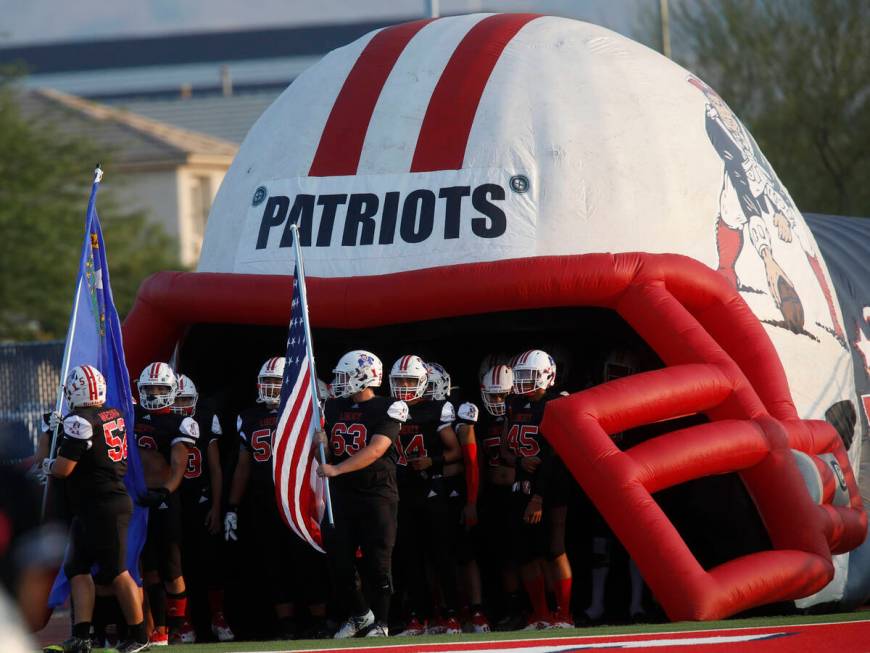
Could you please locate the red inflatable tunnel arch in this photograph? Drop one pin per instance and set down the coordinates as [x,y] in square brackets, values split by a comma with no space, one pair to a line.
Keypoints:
[719,362]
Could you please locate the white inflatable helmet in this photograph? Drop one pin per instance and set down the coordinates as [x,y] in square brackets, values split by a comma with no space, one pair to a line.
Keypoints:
[438,386]
[533,370]
[495,386]
[269,381]
[186,397]
[409,367]
[355,371]
[85,386]
[157,387]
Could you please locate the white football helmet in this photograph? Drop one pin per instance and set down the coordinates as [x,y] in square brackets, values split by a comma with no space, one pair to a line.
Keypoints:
[186,397]
[409,367]
[619,363]
[269,381]
[489,361]
[355,371]
[496,385]
[438,387]
[85,386]
[157,387]
[533,370]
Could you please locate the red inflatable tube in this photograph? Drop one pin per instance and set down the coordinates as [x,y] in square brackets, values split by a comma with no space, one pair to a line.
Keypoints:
[719,362]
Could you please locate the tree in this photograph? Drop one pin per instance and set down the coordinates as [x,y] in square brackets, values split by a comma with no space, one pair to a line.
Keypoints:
[45,179]
[797,72]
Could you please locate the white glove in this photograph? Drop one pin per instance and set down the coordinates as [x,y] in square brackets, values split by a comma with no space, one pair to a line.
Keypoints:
[468,412]
[231,524]
[47,464]
[36,474]
[55,421]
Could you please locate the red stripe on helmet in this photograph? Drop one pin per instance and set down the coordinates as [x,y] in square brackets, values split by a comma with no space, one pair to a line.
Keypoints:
[341,142]
[496,373]
[453,105]
[155,370]
[92,382]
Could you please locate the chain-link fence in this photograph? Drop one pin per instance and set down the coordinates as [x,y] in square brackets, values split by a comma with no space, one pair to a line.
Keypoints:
[29,377]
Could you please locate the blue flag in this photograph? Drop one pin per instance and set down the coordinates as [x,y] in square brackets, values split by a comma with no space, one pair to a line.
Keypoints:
[94,338]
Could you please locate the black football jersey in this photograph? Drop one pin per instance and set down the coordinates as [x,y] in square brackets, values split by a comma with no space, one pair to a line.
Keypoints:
[420,437]
[350,427]
[524,438]
[256,427]
[196,481]
[160,431]
[488,432]
[96,438]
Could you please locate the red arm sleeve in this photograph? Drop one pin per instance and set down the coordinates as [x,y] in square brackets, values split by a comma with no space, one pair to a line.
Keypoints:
[472,471]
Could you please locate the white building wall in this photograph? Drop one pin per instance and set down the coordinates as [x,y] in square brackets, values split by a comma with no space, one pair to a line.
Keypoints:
[198,186]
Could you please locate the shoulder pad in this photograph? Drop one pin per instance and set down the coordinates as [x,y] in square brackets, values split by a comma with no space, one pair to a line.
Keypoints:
[216,425]
[78,427]
[189,428]
[448,414]
[398,410]
[468,412]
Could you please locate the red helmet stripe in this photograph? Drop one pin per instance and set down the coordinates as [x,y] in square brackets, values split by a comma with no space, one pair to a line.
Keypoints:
[341,141]
[453,105]
[92,382]
[155,370]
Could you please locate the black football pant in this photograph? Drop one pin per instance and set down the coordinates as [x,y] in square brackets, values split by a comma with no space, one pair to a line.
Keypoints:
[368,523]
[99,535]
[426,535]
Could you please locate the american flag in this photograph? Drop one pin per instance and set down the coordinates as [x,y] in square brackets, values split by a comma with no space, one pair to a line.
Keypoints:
[298,489]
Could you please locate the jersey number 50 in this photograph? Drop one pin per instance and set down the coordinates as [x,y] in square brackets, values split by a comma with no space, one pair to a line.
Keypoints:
[116,440]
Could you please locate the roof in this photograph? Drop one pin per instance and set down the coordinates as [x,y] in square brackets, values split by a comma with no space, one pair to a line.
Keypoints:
[132,138]
[228,118]
[187,48]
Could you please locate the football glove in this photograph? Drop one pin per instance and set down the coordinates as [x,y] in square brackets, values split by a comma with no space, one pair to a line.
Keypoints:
[154,497]
[231,525]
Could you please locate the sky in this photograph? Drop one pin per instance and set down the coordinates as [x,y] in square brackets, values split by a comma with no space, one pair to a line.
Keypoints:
[40,21]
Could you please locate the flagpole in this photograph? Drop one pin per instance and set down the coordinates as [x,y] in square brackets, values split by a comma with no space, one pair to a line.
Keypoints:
[309,346]
[71,332]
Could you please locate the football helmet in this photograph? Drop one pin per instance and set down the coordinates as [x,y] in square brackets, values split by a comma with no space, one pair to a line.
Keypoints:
[409,367]
[355,371]
[496,385]
[489,361]
[269,381]
[186,397]
[157,387]
[533,370]
[85,386]
[438,385]
[619,363]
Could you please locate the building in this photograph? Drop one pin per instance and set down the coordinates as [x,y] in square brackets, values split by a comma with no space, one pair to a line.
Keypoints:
[171,173]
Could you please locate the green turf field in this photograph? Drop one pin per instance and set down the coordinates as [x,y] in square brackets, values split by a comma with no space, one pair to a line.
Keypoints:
[297,645]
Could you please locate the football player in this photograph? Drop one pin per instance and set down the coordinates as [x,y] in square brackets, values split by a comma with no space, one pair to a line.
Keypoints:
[361,430]
[462,485]
[201,501]
[296,570]
[496,383]
[93,458]
[164,439]
[537,473]
[428,451]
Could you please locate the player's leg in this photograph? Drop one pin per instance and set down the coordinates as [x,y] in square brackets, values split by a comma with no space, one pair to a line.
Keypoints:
[438,544]
[340,543]
[377,520]
[559,564]
[78,569]
[409,564]
[181,632]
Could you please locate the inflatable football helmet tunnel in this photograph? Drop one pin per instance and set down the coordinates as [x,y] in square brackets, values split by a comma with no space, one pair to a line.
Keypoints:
[486,164]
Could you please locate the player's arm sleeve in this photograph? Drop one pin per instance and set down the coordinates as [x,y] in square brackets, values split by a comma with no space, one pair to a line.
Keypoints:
[448,415]
[77,437]
[243,434]
[188,432]
[472,468]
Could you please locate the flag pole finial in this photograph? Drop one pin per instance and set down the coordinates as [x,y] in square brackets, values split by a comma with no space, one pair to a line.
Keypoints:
[98,174]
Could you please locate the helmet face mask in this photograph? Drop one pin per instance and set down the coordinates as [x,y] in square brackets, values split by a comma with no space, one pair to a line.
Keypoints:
[84,387]
[533,370]
[356,371]
[408,378]
[495,385]
[158,387]
[269,381]
[186,397]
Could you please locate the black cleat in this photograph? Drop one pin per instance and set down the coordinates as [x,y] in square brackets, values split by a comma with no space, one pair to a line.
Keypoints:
[72,645]
[132,646]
